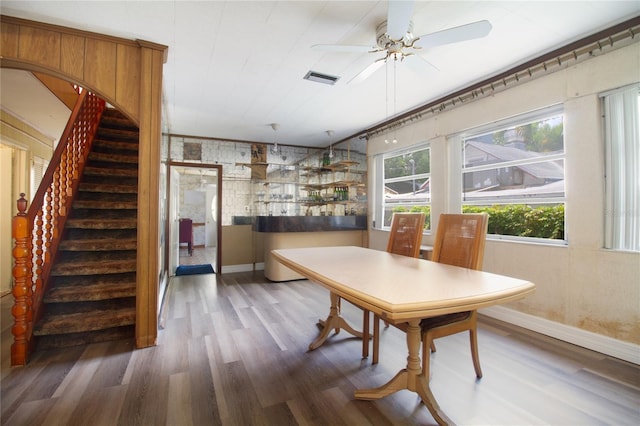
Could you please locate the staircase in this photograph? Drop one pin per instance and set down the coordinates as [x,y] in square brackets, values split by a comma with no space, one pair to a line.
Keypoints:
[92,286]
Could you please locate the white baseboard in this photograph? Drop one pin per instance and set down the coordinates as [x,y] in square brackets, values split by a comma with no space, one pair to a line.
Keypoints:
[616,348]
[248,267]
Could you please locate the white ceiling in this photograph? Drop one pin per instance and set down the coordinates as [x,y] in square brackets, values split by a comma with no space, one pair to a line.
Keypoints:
[26,98]
[235,67]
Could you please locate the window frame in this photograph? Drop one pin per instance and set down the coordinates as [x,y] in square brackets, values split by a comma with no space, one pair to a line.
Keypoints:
[380,205]
[456,148]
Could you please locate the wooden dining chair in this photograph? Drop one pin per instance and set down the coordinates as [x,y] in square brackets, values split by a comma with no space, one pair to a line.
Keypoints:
[460,241]
[405,239]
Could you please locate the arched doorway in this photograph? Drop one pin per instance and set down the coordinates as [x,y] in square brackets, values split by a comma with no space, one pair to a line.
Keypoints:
[128,75]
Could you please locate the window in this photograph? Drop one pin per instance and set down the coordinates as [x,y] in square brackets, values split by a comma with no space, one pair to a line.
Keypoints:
[38,170]
[404,182]
[622,176]
[514,171]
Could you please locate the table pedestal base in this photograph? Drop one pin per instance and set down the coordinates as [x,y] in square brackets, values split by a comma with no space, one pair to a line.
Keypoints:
[333,322]
[410,378]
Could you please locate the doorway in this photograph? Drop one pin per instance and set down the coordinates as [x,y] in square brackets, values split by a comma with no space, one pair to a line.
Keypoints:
[195,202]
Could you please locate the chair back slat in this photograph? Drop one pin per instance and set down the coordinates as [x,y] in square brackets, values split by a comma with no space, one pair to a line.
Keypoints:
[460,240]
[406,234]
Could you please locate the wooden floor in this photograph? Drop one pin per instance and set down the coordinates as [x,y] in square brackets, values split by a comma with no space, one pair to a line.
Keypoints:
[233,351]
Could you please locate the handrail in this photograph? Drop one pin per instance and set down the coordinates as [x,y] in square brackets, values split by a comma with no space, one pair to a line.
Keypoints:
[38,230]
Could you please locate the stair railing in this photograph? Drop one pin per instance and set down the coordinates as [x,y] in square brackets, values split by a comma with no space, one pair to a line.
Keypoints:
[38,230]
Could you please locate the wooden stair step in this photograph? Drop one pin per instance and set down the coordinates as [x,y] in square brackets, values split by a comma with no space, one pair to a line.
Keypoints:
[102,244]
[112,115]
[110,171]
[130,134]
[106,215]
[85,321]
[115,266]
[105,205]
[100,187]
[57,341]
[115,158]
[91,291]
[127,145]
[102,223]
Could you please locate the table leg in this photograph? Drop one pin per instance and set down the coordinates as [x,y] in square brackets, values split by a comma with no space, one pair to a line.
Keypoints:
[365,333]
[410,378]
[333,321]
[376,339]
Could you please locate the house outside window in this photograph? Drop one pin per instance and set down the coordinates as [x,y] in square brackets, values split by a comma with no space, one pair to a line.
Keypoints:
[405,183]
[514,171]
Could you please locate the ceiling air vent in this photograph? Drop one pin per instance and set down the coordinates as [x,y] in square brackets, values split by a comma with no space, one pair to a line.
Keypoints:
[321,78]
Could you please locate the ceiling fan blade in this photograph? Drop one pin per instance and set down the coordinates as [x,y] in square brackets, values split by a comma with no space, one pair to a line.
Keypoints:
[454,35]
[398,17]
[366,73]
[420,64]
[346,48]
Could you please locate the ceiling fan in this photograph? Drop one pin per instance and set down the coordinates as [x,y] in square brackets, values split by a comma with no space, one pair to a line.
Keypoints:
[395,37]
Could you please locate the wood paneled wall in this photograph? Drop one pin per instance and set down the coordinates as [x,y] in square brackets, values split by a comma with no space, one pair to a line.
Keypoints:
[128,75]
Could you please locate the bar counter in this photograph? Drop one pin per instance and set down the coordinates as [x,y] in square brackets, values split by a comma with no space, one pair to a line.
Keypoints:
[280,232]
[309,223]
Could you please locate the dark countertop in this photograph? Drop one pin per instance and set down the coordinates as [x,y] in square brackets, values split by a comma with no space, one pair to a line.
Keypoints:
[242,220]
[309,223]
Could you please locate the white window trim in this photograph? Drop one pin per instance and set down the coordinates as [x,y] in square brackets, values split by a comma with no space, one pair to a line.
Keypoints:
[455,179]
[379,181]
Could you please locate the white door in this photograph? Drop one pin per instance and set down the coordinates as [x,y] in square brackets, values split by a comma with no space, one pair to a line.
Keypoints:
[211,224]
[174,220]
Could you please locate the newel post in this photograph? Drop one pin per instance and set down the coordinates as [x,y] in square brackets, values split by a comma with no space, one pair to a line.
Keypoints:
[22,286]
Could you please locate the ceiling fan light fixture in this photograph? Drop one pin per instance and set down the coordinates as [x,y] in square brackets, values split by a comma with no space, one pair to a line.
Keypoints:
[275,149]
[330,133]
[396,39]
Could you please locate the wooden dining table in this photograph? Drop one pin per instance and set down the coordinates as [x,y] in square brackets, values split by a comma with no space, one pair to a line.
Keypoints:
[401,289]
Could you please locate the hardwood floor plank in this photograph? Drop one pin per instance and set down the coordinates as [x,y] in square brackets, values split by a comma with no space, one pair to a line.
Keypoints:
[30,413]
[224,339]
[266,368]
[179,400]
[147,392]
[280,415]
[34,383]
[269,329]
[230,314]
[345,406]
[72,389]
[98,407]
[220,401]
[242,401]
[202,403]
[111,371]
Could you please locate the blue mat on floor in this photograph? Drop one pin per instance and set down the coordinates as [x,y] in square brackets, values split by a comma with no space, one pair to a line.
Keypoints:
[194,269]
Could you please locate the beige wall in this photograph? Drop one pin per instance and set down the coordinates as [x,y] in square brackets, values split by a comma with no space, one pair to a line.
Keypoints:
[6,213]
[19,144]
[240,245]
[581,285]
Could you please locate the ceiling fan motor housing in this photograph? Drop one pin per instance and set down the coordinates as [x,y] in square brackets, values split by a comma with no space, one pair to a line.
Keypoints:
[393,47]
